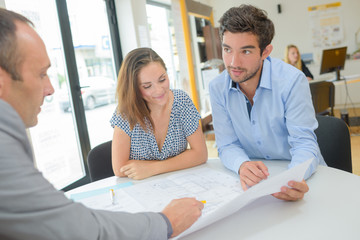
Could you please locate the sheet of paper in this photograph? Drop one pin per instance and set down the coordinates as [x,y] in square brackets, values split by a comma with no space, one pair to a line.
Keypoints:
[274,184]
[122,202]
[215,187]
[221,191]
[266,187]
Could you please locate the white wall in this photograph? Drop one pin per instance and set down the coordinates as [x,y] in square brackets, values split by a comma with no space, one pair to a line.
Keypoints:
[2,3]
[293,24]
[133,27]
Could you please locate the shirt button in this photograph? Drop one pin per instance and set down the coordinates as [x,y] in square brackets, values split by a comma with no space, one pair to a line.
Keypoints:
[258,142]
[267,156]
[253,122]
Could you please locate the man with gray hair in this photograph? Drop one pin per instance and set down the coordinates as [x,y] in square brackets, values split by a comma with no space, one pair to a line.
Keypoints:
[30,207]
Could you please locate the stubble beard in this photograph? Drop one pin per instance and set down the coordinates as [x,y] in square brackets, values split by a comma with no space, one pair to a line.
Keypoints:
[247,77]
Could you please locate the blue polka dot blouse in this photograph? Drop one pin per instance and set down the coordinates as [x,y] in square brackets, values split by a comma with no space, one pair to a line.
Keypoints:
[184,120]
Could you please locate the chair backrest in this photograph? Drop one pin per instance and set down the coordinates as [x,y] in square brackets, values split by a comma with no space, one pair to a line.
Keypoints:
[323,97]
[206,123]
[334,141]
[99,162]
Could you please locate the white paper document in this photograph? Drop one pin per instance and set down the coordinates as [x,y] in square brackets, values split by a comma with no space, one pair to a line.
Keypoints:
[213,186]
[221,191]
[265,187]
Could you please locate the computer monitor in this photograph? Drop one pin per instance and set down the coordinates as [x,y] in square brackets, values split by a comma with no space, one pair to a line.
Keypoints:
[333,60]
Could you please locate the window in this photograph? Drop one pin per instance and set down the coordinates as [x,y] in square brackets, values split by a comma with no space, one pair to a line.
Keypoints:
[84,78]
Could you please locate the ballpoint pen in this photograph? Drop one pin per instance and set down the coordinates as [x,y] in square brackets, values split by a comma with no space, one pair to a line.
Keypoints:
[112,196]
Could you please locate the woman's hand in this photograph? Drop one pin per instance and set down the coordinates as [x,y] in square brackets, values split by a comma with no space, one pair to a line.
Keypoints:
[139,169]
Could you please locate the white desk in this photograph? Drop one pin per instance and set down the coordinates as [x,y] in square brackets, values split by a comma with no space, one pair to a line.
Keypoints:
[330,210]
[346,90]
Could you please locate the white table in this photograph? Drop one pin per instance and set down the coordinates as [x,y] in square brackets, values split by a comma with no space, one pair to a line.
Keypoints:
[330,210]
[345,89]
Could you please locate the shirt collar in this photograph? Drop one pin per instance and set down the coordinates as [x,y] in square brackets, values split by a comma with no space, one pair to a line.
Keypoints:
[266,74]
[231,84]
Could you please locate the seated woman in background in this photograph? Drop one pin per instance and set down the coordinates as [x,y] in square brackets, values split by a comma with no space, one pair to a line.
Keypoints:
[292,56]
[152,121]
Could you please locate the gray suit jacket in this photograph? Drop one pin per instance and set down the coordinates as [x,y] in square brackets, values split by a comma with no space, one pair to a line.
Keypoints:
[30,207]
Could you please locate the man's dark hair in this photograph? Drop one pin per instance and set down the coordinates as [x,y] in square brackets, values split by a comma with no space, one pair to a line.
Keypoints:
[10,56]
[248,18]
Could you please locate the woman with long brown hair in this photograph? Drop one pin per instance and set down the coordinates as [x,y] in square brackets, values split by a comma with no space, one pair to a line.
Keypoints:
[152,121]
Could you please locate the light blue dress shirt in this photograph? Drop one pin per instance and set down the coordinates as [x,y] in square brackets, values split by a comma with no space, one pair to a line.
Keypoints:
[280,124]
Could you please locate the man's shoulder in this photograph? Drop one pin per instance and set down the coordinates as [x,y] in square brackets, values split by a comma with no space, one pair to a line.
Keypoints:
[220,81]
[220,77]
[280,67]
[9,118]
[12,132]
[282,73]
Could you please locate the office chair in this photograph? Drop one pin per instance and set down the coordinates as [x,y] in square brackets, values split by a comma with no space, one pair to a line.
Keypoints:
[99,162]
[334,141]
[206,123]
[323,97]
